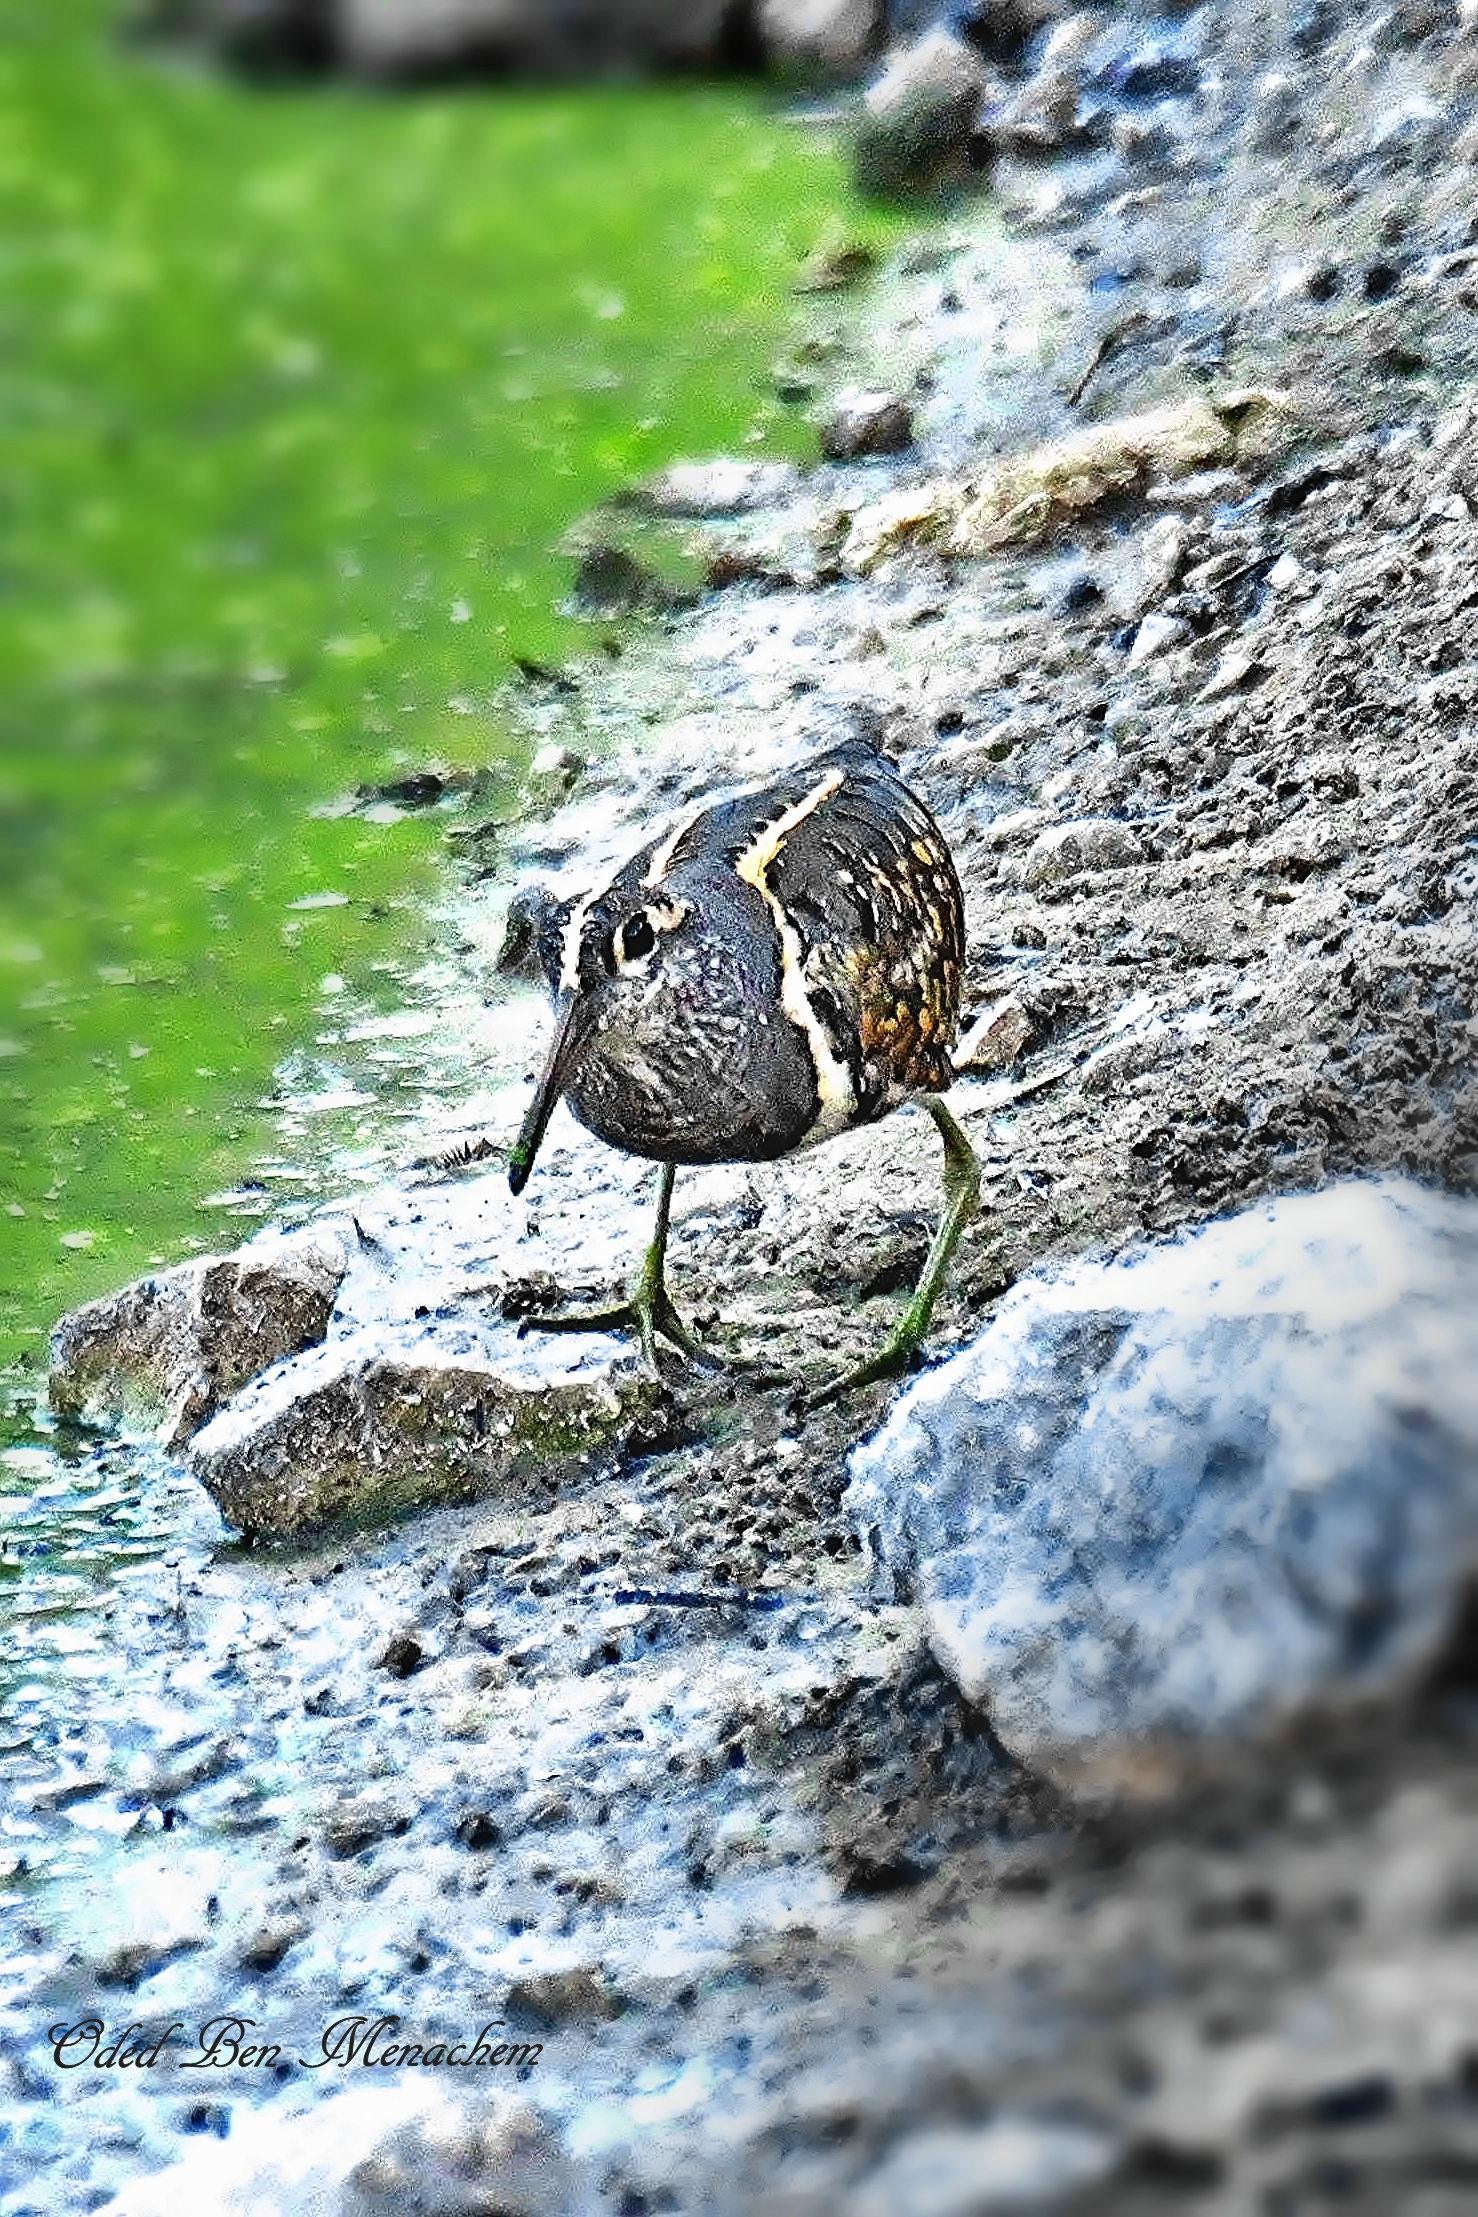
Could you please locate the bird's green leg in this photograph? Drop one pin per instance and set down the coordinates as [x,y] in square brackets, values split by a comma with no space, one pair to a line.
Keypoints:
[961,1198]
[648,1306]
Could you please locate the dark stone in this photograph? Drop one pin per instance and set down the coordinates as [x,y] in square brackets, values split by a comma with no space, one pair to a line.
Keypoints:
[886,1872]
[1168,2166]
[549,1998]
[422,789]
[402,1654]
[401,38]
[1359,2101]
[866,424]
[1083,593]
[357,1823]
[477,1831]
[610,582]
[531,939]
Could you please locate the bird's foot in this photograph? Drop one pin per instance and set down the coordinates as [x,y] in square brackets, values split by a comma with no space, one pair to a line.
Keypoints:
[648,1311]
[894,1359]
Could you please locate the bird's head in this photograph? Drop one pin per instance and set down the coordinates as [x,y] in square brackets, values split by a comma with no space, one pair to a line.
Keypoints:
[630,960]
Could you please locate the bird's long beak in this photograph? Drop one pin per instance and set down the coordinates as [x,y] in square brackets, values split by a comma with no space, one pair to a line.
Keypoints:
[573,1024]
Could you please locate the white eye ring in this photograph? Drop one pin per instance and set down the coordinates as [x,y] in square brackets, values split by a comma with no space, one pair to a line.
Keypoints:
[634,942]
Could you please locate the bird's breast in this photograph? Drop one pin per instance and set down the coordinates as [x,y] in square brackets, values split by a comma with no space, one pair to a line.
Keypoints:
[705,1088]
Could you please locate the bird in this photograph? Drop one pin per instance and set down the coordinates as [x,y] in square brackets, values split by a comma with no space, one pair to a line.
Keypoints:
[782,966]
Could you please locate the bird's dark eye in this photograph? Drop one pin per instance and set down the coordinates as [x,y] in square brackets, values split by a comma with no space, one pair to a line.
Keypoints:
[637,937]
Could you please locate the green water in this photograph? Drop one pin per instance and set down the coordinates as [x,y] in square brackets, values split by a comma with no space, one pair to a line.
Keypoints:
[299,389]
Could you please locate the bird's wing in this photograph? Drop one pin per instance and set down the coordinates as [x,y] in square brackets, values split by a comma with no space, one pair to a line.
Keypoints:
[868,883]
[745,826]
[855,867]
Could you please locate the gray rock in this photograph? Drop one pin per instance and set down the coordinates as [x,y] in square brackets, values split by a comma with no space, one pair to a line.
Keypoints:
[579,1995]
[402,1654]
[248,32]
[819,38]
[1311,842]
[164,1354]
[863,424]
[387,37]
[180,1771]
[914,130]
[535,921]
[391,1419]
[265,1946]
[1155,634]
[1010,2165]
[552,776]
[1091,843]
[363,1820]
[610,582]
[1180,1492]
[836,269]
[722,487]
[998,1037]
[501,2156]
[1043,117]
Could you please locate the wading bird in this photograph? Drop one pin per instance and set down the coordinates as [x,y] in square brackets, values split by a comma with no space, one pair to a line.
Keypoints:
[779,968]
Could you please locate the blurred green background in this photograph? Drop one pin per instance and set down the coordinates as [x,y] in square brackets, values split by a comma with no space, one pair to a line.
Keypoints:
[299,388]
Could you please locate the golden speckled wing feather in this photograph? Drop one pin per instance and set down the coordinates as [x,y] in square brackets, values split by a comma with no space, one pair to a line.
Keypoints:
[868,883]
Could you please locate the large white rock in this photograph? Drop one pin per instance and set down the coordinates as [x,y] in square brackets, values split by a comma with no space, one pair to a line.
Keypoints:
[1191,1488]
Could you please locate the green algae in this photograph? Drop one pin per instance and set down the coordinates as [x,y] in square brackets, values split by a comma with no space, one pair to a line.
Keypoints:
[299,390]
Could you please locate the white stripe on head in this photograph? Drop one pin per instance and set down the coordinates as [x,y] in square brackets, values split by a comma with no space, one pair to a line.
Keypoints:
[574,932]
[656,869]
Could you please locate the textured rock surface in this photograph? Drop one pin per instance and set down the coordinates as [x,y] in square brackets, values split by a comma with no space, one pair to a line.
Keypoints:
[819,38]
[1176,1492]
[914,129]
[1065,849]
[386,1420]
[398,2146]
[861,424]
[165,1353]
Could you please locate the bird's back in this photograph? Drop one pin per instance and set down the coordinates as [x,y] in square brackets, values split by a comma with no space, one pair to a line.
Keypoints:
[868,916]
